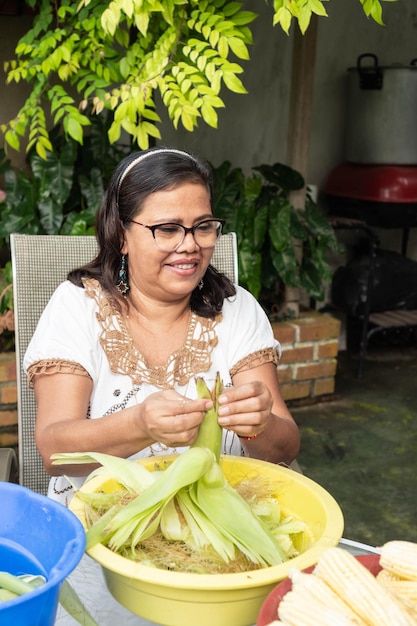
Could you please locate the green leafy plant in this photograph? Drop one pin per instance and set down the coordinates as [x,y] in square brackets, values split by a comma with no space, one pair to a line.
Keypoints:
[118,56]
[285,11]
[60,192]
[57,194]
[6,309]
[270,229]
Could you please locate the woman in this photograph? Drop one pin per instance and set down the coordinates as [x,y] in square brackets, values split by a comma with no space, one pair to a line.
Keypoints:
[116,352]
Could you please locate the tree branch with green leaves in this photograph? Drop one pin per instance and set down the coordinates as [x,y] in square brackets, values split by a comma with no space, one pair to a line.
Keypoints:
[82,59]
[285,11]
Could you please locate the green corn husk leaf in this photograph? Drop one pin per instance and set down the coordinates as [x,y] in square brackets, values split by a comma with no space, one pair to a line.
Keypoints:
[137,529]
[70,601]
[170,524]
[6,595]
[97,532]
[235,519]
[101,501]
[268,509]
[15,584]
[133,476]
[197,539]
[185,470]
[204,532]
[210,432]
[289,526]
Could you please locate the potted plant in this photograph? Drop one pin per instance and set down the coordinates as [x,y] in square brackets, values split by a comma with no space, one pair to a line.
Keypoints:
[6,309]
[60,193]
[279,246]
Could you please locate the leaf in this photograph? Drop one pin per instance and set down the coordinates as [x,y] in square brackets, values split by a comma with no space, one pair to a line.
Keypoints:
[233,83]
[283,17]
[304,18]
[279,228]
[109,20]
[243,17]
[70,601]
[12,140]
[260,226]
[282,176]
[317,7]
[40,149]
[209,114]
[249,267]
[239,48]
[74,129]
[285,264]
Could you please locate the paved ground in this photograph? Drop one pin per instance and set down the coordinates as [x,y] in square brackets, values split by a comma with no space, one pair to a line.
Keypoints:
[362,445]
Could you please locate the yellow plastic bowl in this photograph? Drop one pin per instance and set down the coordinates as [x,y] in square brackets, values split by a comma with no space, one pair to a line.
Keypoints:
[181,599]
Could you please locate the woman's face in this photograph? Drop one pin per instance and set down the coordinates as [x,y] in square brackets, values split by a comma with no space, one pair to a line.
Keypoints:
[168,276]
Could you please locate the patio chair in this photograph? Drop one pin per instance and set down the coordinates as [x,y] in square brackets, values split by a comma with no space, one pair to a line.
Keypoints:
[40,264]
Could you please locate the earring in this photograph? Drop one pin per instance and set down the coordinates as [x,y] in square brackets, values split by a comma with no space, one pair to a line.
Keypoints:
[123,281]
[201,284]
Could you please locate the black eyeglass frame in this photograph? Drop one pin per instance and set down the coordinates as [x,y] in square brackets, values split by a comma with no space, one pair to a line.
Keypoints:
[185,230]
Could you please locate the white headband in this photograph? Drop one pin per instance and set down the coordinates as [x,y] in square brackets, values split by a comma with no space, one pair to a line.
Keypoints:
[141,157]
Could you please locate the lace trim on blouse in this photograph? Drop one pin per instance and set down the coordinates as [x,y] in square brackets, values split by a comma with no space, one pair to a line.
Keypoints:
[124,358]
[266,355]
[54,366]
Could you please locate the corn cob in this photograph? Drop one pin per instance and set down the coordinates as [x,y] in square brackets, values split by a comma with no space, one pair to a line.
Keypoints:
[297,609]
[406,590]
[312,588]
[400,558]
[360,589]
[384,576]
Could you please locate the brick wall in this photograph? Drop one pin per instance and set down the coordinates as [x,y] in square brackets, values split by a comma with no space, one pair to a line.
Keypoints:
[8,400]
[310,344]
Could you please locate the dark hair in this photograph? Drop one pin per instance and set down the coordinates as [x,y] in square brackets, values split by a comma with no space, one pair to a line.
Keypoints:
[136,177]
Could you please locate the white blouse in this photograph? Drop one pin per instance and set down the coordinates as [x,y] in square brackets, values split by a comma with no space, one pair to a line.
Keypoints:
[80,326]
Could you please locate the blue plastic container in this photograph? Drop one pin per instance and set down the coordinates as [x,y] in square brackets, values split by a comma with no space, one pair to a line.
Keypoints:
[37,536]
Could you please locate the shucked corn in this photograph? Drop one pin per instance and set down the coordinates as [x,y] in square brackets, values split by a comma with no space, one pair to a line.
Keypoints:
[400,558]
[342,592]
[360,590]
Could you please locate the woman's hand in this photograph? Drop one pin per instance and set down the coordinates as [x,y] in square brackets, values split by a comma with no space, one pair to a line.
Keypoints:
[255,409]
[172,419]
[245,409]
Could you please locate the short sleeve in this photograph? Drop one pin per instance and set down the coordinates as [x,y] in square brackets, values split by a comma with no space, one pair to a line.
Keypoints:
[245,331]
[67,330]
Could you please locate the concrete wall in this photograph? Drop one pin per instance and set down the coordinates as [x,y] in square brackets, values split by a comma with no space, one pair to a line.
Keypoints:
[253,127]
[11,96]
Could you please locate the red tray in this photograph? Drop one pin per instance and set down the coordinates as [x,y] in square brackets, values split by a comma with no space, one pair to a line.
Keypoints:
[269,609]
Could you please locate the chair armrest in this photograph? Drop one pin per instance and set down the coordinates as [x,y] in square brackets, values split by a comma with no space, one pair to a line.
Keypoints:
[295,466]
[8,465]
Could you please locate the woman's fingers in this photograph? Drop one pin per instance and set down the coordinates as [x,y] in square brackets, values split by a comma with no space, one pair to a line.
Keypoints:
[245,409]
[173,419]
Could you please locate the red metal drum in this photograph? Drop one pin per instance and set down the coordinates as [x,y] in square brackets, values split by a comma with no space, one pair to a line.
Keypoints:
[380,195]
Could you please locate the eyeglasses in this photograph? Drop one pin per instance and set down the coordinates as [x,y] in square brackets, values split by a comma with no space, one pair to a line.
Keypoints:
[168,237]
